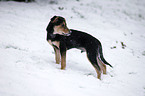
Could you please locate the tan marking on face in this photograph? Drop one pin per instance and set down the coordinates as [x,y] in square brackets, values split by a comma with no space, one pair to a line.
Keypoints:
[61,29]
[55,20]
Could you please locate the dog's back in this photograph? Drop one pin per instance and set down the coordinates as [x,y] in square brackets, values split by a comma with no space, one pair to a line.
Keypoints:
[79,39]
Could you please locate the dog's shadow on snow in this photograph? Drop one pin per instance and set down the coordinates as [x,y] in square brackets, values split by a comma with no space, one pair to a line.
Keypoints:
[76,67]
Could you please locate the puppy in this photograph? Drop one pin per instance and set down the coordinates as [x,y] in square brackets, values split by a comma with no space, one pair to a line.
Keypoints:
[62,39]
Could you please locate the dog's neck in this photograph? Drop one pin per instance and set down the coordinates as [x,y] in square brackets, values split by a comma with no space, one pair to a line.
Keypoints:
[50,31]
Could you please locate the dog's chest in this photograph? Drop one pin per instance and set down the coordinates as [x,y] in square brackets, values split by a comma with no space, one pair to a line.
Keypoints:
[54,43]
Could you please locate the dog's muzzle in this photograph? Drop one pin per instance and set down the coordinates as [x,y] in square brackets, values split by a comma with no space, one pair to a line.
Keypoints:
[67,34]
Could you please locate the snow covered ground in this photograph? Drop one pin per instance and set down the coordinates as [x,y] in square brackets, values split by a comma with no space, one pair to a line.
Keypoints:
[27,65]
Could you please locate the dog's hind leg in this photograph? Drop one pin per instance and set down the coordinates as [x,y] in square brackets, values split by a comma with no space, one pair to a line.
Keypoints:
[101,57]
[92,58]
[104,68]
[57,55]
[102,65]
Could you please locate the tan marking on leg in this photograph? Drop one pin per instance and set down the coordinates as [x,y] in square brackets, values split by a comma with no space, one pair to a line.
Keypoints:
[56,43]
[98,72]
[102,65]
[49,41]
[57,55]
[57,51]
[104,71]
[63,60]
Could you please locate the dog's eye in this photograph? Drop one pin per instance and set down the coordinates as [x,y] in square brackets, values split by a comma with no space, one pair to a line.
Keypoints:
[62,25]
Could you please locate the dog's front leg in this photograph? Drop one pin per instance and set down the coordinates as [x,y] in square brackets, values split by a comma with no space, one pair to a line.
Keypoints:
[63,55]
[63,60]
[57,55]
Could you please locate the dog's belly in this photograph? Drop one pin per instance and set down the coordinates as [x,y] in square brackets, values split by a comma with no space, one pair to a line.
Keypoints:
[82,49]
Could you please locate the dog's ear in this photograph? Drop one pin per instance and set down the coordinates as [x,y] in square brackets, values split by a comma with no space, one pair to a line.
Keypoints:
[49,28]
[53,18]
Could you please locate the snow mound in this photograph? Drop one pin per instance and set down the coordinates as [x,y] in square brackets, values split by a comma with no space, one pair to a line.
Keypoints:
[27,65]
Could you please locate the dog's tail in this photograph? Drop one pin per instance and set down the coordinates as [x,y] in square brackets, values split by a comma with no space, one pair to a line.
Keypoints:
[101,57]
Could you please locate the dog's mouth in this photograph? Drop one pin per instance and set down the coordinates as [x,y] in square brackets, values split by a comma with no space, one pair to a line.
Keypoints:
[67,34]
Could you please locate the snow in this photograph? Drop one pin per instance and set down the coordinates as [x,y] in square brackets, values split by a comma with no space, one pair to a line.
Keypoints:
[27,65]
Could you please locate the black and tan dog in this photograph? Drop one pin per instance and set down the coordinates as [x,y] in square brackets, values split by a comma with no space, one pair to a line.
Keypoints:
[63,39]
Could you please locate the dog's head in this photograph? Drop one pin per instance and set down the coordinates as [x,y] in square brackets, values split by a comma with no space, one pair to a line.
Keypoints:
[59,26]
